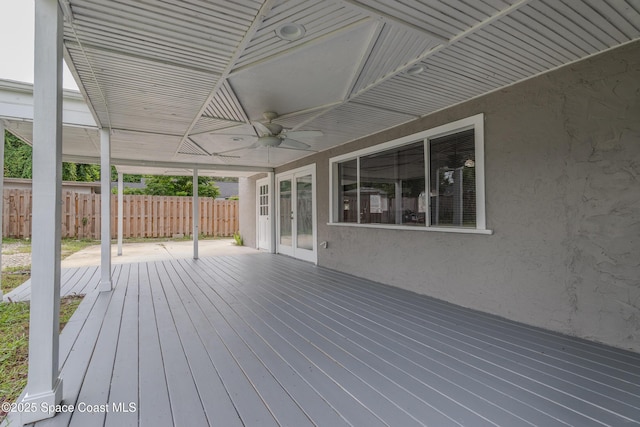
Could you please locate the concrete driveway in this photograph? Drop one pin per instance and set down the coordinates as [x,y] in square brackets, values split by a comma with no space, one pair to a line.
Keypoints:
[156,251]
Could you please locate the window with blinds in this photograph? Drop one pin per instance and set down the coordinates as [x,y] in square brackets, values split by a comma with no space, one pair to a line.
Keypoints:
[452,180]
[432,179]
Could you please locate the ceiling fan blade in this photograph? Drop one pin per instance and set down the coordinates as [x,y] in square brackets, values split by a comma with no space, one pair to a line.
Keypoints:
[304,133]
[261,129]
[224,156]
[292,143]
[248,147]
[295,149]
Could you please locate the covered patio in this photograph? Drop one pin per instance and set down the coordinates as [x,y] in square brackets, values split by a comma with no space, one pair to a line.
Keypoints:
[310,100]
[261,339]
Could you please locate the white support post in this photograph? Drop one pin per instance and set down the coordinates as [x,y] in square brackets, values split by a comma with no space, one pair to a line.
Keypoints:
[120,212]
[272,210]
[1,196]
[105,210]
[44,387]
[196,214]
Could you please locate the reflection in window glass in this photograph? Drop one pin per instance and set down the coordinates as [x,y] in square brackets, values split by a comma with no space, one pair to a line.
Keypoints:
[285,213]
[304,212]
[348,191]
[392,186]
[453,180]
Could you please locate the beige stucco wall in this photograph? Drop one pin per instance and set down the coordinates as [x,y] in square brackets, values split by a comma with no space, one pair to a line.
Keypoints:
[247,190]
[562,155]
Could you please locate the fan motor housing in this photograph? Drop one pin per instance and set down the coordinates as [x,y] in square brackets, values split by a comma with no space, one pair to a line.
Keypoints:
[274,128]
[269,141]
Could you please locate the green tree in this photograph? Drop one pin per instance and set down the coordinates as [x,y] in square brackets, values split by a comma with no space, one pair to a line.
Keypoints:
[17,157]
[180,186]
[18,163]
[127,177]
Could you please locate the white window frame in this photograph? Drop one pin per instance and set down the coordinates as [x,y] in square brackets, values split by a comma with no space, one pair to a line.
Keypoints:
[474,122]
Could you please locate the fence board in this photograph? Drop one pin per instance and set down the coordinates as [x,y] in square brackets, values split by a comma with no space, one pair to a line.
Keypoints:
[143,216]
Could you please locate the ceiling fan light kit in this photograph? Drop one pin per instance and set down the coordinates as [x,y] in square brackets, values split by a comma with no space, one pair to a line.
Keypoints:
[269,141]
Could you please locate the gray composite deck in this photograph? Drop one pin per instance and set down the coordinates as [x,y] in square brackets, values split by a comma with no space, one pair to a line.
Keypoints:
[265,340]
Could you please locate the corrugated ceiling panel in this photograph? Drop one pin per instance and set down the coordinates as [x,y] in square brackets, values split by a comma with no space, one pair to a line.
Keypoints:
[394,47]
[538,37]
[141,94]
[225,105]
[191,148]
[438,87]
[351,121]
[446,18]
[208,124]
[291,121]
[201,35]
[532,40]
[80,141]
[134,145]
[76,141]
[318,18]
[87,83]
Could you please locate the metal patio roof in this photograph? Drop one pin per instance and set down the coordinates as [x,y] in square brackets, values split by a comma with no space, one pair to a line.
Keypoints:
[180,81]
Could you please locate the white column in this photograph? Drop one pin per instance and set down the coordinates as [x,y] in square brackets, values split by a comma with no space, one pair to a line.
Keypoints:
[196,214]
[120,212]
[44,387]
[272,210]
[105,210]
[1,195]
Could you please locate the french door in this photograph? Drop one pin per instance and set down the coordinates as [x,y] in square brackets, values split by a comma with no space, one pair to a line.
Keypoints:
[263,202]
[296,226]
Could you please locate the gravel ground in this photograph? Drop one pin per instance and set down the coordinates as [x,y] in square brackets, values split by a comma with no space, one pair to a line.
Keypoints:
[12,257]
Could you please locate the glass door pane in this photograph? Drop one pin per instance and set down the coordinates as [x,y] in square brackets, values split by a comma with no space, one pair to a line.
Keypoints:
[304,212]
[285,213]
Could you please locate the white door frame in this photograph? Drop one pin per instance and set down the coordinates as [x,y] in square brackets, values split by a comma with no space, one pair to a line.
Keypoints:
[304,254]
[260,183]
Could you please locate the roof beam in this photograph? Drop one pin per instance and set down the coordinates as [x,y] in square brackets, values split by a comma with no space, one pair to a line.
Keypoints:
[169,165]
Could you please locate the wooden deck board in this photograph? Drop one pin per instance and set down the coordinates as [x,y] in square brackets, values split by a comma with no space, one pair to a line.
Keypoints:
[153,393]
[283,388]
[184,399]
[328,390]
[96,385]
[426,394]
[427,390]
[124,379]
[198,340]
[268,340]
[552,391]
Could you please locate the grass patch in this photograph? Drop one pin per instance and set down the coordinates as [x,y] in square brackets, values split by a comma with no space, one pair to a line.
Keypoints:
[71,246]
[9,240]
[14,277]
[14,344]
[21,249]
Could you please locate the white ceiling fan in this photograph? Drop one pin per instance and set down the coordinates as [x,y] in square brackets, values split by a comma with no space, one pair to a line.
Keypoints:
[273,135]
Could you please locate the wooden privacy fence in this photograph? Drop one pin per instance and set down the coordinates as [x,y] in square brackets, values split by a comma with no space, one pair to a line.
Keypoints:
[143,216]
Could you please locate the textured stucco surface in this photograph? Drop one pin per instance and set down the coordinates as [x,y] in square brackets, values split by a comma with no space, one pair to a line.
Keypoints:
[247,189]
[562,155]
